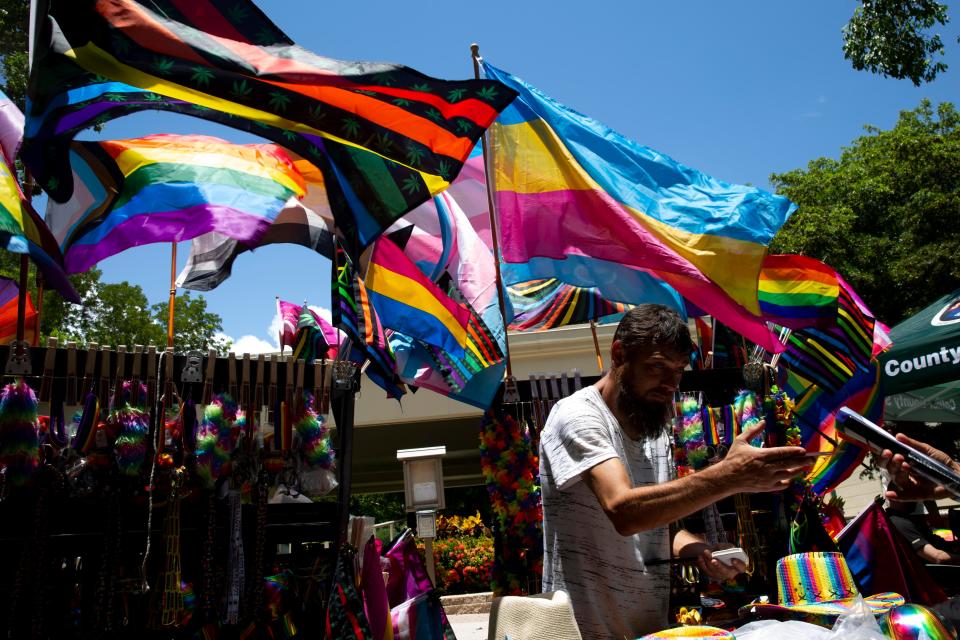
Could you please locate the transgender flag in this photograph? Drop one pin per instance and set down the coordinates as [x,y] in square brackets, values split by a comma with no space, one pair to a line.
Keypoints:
[573,195]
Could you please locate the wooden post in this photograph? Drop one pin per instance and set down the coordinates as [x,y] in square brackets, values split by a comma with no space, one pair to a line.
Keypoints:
[22,302]
[39,313]
[173,293]
[596,346]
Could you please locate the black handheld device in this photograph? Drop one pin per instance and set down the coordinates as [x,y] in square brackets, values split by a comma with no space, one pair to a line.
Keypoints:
[855,428]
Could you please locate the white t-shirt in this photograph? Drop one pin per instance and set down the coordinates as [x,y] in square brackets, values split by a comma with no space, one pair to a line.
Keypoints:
[613,594]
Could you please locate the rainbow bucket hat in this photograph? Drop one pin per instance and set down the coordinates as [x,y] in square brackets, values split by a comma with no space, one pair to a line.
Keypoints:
[817,587]
[695,631]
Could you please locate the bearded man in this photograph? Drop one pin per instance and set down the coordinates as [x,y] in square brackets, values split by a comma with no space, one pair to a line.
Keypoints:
[608,490]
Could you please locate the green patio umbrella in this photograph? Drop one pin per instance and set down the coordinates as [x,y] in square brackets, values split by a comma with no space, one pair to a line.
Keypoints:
[939,403]
[926,348]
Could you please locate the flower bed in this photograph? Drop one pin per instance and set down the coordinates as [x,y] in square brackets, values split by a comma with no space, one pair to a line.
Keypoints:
[463,554]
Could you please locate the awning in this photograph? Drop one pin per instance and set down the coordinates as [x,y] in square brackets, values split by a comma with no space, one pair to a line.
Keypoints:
[926,348]
[939,403]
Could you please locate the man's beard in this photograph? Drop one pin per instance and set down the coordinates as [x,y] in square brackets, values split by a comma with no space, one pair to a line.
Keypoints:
[646,419]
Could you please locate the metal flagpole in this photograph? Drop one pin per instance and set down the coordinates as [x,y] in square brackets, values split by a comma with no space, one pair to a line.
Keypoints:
[510,392]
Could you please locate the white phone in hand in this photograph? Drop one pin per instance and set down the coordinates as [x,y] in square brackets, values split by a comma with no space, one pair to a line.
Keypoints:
[726,556]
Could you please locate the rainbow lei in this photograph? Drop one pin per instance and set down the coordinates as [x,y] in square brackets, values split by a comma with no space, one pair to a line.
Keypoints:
[19,439]
[132,426]
[215,439]
[745,406]
[690,451]
[314,435]
[780,408]
[510,466]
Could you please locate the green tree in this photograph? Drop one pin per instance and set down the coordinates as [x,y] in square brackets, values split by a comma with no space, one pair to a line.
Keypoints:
[195,328]
[893,38]
[14,25]
[885,215]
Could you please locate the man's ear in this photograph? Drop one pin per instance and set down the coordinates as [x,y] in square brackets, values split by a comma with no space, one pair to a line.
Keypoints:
[616,353]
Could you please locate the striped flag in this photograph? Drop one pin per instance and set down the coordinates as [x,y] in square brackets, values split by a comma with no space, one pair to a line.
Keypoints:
[413,304]
[168,188]
[386,136]
[573,194]
[22,231]
[306,221]
[831,356]
[445,239]
[355,316]
[797,291]
[309,336]
[546,304]
[9,294]
[882,561]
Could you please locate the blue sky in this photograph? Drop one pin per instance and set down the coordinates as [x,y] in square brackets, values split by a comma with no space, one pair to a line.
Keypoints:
[738,90]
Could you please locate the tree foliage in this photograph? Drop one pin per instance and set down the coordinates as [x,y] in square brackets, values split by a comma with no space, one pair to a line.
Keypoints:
[893,38]
[886,215]
[14,25]
[195,328]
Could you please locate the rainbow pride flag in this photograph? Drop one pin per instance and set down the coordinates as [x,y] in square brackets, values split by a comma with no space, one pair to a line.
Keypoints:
[22,231]
[832,355]
[411,303]
[567,186]
[797,291]
[385,133]
[307,222]
[167,188]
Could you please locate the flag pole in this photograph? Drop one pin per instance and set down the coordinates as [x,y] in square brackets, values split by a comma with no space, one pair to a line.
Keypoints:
[22,301]
[24,273]
[596,345]
[173,293]
[280,315]
[510,394]
[39,314]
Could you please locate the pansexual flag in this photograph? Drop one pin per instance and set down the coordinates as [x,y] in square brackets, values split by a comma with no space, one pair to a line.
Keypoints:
[100,60]
[450,244]
[797,291]
[568,186]
[168,188]
[411,303]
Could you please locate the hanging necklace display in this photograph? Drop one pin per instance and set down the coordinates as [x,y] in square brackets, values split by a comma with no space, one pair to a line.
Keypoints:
[19,440]
[127,445]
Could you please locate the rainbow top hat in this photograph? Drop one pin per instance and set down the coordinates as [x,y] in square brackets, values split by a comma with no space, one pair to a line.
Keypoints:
[817,587]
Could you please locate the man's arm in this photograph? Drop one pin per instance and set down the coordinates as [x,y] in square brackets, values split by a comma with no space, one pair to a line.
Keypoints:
[937,556]
[746,469]
[689,545]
